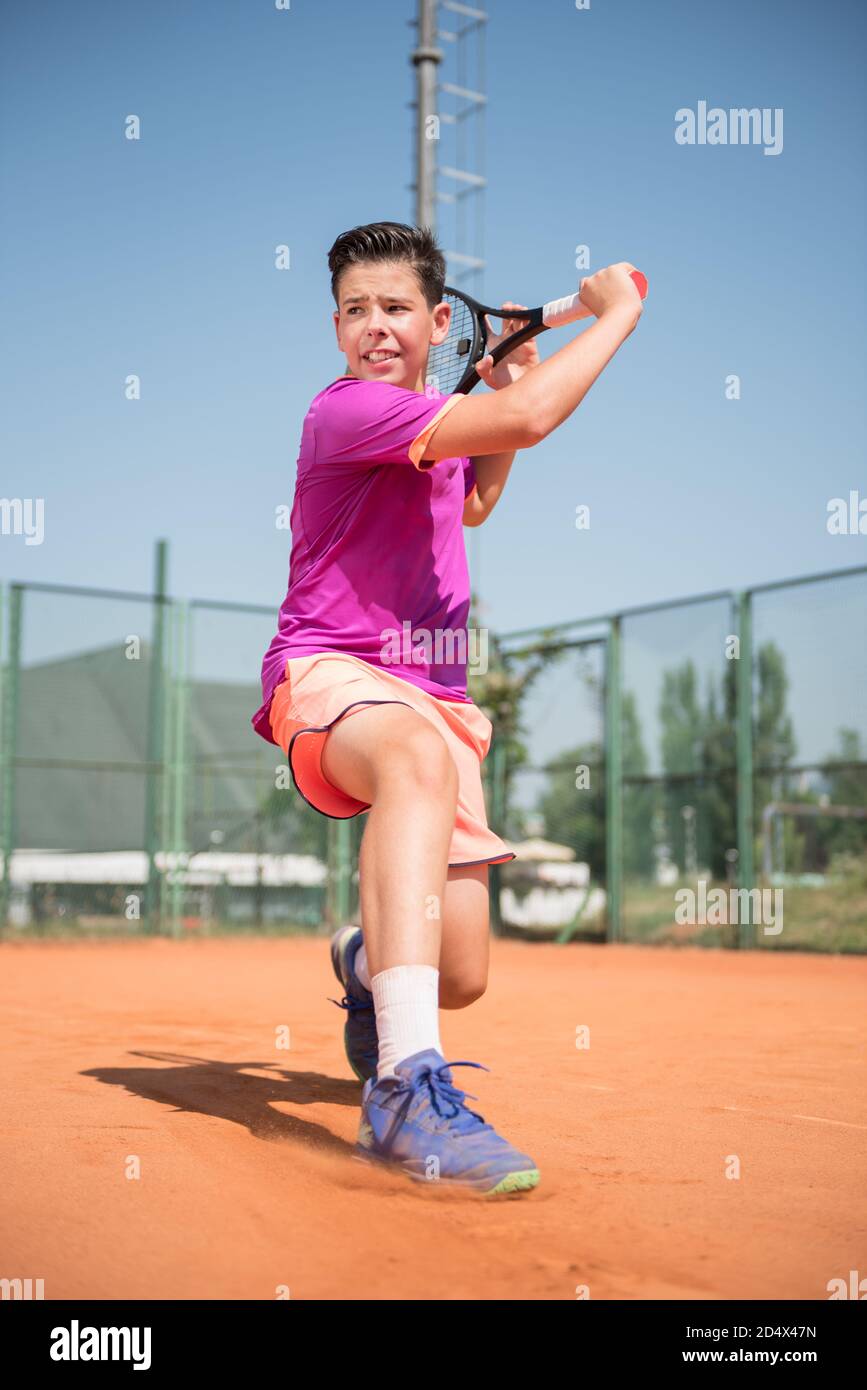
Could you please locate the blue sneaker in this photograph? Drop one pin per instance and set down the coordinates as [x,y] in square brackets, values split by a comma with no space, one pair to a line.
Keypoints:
[417,1121]
[359,1033]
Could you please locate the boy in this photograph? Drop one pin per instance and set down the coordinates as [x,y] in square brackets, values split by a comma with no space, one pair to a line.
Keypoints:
[388,472]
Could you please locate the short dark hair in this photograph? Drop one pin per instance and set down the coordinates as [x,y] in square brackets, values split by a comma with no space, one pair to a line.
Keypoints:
[391,241]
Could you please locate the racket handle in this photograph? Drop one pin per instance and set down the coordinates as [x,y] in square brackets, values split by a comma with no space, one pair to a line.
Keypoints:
[572,307]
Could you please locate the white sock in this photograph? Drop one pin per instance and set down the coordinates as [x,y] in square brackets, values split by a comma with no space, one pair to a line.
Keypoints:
[359,965]
[406,1001]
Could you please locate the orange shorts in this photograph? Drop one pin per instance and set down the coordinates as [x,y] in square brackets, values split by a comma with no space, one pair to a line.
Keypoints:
[319,690]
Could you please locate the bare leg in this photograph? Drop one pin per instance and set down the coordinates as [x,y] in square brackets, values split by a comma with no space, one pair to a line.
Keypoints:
[465,937]
[391,756]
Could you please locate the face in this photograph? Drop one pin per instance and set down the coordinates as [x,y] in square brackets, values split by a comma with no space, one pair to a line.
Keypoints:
[384,325]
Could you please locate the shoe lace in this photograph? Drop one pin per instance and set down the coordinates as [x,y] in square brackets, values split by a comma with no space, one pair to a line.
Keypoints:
[368,1040]
[446,1098]
[349,1002]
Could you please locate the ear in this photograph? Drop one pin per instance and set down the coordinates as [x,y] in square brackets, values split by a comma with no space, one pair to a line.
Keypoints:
[336,317]
[442,318]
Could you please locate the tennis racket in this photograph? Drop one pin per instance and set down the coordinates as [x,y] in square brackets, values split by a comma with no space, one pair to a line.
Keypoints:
[451,365]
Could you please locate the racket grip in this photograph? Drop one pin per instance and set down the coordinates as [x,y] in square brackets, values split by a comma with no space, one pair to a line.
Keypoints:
[572,307]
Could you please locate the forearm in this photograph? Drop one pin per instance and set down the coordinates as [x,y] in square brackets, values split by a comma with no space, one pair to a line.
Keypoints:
[491,472]
[548,394]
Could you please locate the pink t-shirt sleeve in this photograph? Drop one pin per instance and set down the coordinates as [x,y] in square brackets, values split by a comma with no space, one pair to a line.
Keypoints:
[469,476]
[371,422]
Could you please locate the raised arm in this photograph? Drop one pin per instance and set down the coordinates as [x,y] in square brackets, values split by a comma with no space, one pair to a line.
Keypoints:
[522,414]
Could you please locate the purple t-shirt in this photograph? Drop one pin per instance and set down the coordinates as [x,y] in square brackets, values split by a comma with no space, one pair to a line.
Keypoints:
[378,566]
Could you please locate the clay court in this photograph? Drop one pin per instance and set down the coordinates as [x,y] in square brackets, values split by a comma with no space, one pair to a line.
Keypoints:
[166,1051]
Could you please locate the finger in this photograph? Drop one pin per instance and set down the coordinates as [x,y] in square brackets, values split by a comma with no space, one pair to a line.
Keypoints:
[511,325]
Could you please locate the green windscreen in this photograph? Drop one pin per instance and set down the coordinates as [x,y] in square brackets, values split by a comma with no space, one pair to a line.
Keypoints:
[678,755]
[810,760]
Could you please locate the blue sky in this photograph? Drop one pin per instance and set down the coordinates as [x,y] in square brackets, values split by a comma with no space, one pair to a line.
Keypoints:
[261,127]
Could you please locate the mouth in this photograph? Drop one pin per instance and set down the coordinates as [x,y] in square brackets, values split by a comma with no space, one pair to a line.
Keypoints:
[380,357]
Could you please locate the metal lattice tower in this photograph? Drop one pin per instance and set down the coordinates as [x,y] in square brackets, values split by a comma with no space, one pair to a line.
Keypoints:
[450,129]
[450,154]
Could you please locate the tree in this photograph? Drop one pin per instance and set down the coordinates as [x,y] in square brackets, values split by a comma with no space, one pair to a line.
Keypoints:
[500,693]
[638,797]
[683,732]
[847,786]
[574,815]
[699,753]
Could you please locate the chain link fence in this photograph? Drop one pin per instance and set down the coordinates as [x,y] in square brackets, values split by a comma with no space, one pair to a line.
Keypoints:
[688,772]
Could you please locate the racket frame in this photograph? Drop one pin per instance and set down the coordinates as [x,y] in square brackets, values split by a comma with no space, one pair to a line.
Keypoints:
[554,314]
[477,349]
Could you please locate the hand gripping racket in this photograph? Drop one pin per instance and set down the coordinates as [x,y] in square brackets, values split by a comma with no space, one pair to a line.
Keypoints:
[452,364]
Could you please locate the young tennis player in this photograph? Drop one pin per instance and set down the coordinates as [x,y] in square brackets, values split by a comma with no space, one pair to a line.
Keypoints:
[364,683]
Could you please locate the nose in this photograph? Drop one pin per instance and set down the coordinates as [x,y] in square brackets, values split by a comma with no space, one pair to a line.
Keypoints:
[377,321]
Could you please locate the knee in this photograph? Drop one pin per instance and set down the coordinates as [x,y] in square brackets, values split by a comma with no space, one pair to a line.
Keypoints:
[459,994]
[423,759]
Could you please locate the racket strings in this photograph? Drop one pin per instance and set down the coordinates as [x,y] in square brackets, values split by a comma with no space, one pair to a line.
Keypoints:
[448,361]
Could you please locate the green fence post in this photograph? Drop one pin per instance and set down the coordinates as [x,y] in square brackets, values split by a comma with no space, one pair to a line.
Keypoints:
[498,819]
[613,783]
[344,870]
[329,903]
[338,873]
[180,779]
[744,689]
[154,752]
[166,835]
[9,695]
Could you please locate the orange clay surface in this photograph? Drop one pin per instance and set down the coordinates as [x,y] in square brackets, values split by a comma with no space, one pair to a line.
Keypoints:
[167,1052]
